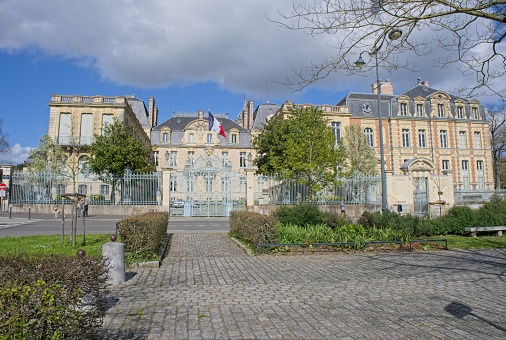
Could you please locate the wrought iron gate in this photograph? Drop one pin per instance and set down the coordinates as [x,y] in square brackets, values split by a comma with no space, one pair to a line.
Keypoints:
[420,196]
[208,187]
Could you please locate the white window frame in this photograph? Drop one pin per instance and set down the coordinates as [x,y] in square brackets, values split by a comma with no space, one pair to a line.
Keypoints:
[443,138]
[369,136]
[405,138]
[422,140]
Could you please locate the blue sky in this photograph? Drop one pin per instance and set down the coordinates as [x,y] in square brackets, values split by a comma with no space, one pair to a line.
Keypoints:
[189,55]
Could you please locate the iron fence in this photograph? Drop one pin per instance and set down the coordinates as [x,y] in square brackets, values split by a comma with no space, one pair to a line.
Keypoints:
[47,188]
[359,189]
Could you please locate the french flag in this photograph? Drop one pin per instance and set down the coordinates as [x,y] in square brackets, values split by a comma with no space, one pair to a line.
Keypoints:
[215,125]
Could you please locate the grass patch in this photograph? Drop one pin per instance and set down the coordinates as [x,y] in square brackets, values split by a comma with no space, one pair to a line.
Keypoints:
[480,242]
[35,245]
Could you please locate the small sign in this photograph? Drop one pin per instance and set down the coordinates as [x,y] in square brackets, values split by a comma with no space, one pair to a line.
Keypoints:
[2,193]
[3,186]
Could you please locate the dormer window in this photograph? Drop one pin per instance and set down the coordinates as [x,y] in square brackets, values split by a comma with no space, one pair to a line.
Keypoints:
[474,113]
[460,112]
[404,109]
[440,110]
[191,138]
[165,137]
[419,110]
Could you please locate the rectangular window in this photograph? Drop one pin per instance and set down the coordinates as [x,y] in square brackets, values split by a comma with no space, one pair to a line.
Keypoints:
[477,140]
[480,175]
[191,157]
[474,111]
[419,110]
[421,138]
[405,138]
[209,138]
[465,175]
[173,183]
[191,138]
[173,159]
[60,188]
[369,138]
[64,128]
[104,189]
[440,110]
[82,189]
[336,130]
[460,112]
[443,138]
[224,157]
[107,119]
[445,164]
[404,109]
[462,140]
[165,137]
[86,129]
[234,138]
[209,184]
[242,159]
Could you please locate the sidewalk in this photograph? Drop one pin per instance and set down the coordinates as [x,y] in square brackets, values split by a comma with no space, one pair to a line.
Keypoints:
[209,288]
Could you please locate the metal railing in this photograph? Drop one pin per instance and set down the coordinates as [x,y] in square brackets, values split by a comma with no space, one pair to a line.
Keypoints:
[47,188]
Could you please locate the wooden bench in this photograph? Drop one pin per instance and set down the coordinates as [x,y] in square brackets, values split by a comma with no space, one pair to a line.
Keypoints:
[474,230]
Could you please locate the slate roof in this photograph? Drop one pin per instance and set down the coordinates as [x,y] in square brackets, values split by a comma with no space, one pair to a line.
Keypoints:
[140,110]
[179,121]
[261,113]
[423,91]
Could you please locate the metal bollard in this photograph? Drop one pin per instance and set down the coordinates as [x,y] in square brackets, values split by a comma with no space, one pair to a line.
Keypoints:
[10,212]
[29,212]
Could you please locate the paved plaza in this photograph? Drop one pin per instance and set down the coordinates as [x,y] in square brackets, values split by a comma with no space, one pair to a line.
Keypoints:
[210,288]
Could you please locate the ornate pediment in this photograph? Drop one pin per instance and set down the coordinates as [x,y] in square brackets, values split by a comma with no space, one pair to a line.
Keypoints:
[417,165]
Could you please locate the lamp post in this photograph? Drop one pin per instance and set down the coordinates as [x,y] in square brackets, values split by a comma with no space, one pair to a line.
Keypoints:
[394,34]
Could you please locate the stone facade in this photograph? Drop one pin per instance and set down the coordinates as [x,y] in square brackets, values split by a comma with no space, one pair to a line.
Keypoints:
[434,142]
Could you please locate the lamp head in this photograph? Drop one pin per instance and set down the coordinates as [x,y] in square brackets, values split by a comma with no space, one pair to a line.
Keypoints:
[360,63]
[394,34]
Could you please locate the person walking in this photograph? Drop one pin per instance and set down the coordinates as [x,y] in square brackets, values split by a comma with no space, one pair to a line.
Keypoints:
[343,208]
[86,206]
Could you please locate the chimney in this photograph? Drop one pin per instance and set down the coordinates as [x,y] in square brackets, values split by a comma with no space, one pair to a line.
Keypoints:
[425,83]
[152,112]
[386,88]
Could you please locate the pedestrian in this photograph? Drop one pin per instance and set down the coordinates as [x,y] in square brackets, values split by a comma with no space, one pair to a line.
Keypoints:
[86,205]
[343,208]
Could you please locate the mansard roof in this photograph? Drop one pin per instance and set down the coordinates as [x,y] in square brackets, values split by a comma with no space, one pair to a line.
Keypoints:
[179,122]
[420,90]
[262,112]
[140,110]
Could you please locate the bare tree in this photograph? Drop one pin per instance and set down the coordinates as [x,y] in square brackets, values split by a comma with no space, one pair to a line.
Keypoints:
[496,116]
[471,32]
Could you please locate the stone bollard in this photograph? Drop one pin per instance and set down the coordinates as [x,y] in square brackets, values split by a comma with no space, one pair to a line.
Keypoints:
[114,253]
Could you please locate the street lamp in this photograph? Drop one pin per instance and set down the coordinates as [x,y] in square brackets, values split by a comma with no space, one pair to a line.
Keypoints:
[394,34]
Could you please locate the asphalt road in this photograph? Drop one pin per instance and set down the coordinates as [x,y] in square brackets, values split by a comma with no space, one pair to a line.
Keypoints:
[45,224]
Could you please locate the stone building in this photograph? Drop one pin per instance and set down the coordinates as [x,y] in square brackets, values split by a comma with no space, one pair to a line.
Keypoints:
[436,146]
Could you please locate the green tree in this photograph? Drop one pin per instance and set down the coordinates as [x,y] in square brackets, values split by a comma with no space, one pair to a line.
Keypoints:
[300,147]
[116,150]
[360,157]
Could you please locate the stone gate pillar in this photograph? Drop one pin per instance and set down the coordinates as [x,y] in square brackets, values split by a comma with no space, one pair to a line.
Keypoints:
[250,188]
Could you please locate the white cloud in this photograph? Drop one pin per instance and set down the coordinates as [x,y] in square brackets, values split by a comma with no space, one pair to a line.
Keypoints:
[173,42]
[17,154]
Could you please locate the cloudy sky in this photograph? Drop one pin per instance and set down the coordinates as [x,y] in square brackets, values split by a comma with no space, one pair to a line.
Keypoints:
[189,55]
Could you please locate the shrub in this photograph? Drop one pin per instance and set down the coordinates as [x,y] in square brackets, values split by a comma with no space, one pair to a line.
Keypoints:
[51,297]
[492,213]
[300,214]
[335,219]
[253,228]
[144,235]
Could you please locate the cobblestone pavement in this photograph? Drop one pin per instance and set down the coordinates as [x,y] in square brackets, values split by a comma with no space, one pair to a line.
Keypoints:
[209,288]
